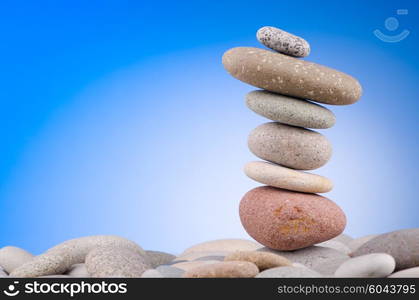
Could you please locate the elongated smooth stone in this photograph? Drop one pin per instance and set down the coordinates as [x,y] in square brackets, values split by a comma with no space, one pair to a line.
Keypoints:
[285,178]
[290,76]
[288,110]
[290,146]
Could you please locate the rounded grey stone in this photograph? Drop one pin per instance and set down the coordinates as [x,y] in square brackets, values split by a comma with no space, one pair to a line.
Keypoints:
[375,265]
[114,262]
[290,146]
[282,41]
[406,273]
[13,257]
[288,272]
[157,258]
[403,245]
[60,258]
[288,110]
[3,273]
[170,272]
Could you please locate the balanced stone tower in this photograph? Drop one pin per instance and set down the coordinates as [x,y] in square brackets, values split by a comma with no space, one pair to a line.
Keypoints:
[287,213]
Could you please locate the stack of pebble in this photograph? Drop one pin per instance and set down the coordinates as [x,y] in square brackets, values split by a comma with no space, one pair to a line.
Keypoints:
[287,214]
[114,256]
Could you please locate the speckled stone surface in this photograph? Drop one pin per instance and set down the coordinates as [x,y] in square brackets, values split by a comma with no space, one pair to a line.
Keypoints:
[290,76]
[358,242]
[118,262]
[289,272]
[286,220]
[228,269]
[375,265]
[290,146]
[288,110]
[406,273]
[285,178]
[263,260]
[403,245]
[282,41]
[157,258]
[223,245]
[60,258]
[78,270]
[314,257]
[13,257]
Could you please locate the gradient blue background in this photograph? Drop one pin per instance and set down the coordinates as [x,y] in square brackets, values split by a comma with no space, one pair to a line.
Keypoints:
[117,117]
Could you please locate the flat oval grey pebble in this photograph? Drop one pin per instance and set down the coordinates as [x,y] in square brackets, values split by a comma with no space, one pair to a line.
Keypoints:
[403,245]
[118,262]
[60,258]
[152,273]
[311,257]
[290,146]
[290,76]
[78,270]
[282,41]
[375,265]
[13,257]
[55,276]
[170,272]
[288,272]
[157,258]
[335,245]
[288,110]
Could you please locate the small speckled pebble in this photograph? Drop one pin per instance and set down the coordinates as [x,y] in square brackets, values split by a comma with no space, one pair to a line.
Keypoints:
[288,110]
[335,245]
[115,262]
[263,260]
[228,269]
[290,76]
[282,41]
[290,146]
[285,178]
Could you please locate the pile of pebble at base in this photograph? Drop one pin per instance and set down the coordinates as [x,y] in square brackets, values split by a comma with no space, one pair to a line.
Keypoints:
[298,233]
[107,256]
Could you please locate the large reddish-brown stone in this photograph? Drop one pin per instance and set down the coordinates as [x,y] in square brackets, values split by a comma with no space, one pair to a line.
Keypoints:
[286,220]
